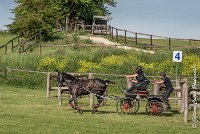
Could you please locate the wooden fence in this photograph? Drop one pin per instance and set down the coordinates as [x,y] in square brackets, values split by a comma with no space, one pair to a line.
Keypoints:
[12,43]
[142,39]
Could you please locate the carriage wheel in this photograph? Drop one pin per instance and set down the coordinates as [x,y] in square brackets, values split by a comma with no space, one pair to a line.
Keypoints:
[127,106]
[154,108]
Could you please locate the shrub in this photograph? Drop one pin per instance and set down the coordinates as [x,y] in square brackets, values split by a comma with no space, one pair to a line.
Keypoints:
[86,66]
[52,64]
[188,63]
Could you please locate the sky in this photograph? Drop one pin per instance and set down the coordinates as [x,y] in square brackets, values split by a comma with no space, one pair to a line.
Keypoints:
[170,18]
[5,13]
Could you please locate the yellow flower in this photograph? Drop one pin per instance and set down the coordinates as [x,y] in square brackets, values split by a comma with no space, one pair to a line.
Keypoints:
[88,66]
[113,60]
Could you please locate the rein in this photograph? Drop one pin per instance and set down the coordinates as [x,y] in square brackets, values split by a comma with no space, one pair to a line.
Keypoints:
[109,97]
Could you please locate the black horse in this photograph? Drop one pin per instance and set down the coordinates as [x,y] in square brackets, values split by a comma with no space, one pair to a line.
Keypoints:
[78,87]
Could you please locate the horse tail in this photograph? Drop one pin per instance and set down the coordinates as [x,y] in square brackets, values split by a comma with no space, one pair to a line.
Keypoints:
[109,82]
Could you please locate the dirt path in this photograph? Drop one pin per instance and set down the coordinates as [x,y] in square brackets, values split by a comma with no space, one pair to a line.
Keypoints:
[102,41]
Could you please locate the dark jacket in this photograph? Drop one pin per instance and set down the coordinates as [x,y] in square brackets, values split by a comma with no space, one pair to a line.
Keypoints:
[141,76]
[167,83]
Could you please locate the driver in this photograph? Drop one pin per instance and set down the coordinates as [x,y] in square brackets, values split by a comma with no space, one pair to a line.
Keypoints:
[136,78]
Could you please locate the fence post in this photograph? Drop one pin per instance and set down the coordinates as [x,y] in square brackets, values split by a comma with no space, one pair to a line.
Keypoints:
[111,31]
[40,49]
[101,27]
[12,47]
[117,34]
[92,29]
[129,83]
[151,39]
[156,88]
[136,41]
[48,84]
[91,95]
[59,96]
[185,88]
[178,92]
[125,36]
[6,49]
[169,43]
[189,42]
[106,29]
[18,40]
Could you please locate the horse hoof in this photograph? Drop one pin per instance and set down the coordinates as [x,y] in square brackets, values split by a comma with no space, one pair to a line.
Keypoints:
[94,111]
[80,111]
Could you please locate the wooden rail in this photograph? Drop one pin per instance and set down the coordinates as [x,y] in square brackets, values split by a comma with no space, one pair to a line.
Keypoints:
[150,38]
[12,43]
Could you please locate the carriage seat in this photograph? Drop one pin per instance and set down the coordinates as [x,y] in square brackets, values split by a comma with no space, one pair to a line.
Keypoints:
[143,85]
[141,88]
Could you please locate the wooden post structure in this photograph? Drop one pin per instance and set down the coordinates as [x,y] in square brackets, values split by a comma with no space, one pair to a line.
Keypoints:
[48,84]
[136,41]
[169,43]
[112,32]
[156,89]
[91,95]
[106,29]
[185,87]
[184,100]
[189,42]
[129,83]
[125,37]
[59,96]
[12,46]
[178,91]
[116,34]
[151,39]
[151,42]
[40,49]
[101,27]
[6,49]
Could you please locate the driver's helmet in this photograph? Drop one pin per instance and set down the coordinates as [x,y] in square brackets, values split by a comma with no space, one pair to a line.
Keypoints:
[163,74]
[138,68]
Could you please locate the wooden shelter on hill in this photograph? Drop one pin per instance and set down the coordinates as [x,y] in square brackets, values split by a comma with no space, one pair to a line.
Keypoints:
[100,25]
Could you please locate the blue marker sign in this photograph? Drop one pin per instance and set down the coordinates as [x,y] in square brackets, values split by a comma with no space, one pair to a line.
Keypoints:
[177,56]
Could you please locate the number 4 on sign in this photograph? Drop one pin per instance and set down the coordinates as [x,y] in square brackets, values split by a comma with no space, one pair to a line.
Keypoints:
[177,56]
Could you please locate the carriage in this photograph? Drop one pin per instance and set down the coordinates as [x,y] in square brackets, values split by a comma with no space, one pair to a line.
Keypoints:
[130,103]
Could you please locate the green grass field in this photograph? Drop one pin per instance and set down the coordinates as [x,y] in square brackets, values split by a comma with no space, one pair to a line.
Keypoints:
[25,111]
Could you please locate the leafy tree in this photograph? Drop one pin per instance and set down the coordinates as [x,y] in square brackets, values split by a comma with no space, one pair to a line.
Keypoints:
[33,16]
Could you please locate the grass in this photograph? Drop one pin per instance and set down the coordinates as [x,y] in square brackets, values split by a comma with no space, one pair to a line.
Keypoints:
[29,111]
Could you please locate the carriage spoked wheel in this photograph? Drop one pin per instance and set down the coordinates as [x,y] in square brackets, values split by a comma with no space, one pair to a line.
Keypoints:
[127,106]
[154,108]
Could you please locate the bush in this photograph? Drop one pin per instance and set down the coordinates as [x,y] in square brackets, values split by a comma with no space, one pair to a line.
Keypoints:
[52,64]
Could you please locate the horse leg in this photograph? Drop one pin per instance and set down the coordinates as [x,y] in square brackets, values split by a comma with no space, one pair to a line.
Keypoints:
[99,100]
[74,104]
[71,103]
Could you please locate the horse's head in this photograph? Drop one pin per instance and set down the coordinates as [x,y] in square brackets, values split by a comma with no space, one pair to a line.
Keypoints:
[64,77]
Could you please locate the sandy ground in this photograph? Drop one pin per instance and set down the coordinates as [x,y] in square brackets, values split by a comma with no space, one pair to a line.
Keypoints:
[106,42]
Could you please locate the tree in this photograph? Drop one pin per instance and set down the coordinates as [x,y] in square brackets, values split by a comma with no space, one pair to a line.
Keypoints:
[33,16]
